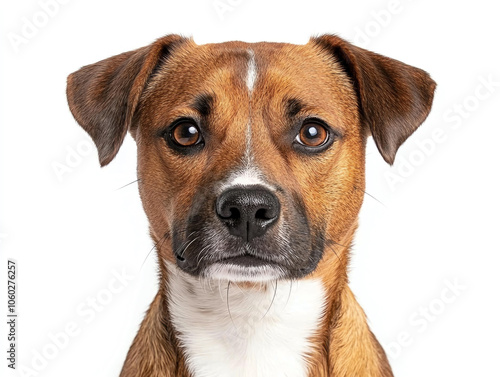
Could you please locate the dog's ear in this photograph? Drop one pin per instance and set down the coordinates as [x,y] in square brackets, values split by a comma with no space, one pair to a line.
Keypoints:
[393,98]
[103,96]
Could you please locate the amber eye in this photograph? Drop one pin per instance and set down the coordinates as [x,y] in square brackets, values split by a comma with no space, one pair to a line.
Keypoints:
[312,135]
[185,134]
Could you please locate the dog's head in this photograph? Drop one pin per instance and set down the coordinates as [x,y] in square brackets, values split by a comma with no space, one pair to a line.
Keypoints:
[250,156]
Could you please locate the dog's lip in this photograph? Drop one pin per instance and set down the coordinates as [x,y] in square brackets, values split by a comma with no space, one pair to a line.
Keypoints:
[246,260]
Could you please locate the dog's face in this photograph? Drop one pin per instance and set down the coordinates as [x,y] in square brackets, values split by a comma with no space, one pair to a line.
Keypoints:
[250,156]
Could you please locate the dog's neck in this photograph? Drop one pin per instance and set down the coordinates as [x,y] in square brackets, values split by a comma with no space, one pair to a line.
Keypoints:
[258,330]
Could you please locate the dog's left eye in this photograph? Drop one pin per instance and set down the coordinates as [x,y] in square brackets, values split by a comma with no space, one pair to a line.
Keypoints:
[185,134]
[312,134]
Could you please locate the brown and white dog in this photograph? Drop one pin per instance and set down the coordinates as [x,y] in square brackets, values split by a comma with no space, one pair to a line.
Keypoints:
[251,172]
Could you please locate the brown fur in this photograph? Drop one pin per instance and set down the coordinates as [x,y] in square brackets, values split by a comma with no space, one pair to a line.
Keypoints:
[357,91]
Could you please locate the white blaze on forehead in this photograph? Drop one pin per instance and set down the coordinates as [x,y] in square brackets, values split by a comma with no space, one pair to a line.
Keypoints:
[251,71]
[250,175]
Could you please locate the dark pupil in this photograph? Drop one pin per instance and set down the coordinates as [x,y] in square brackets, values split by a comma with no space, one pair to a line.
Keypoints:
[186,134]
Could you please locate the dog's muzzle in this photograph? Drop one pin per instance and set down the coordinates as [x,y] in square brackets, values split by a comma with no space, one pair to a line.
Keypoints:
[246,233]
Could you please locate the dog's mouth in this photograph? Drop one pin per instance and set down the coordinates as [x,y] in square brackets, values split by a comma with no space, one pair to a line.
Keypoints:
[246,260]
[218,256]
[244,265]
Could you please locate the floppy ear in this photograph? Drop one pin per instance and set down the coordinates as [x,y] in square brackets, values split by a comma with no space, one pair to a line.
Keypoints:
[103,96]
[394,98]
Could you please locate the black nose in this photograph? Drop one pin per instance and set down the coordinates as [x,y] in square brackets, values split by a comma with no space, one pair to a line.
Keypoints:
[248,212]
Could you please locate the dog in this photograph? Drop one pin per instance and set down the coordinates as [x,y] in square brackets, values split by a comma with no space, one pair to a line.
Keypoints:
[250,163]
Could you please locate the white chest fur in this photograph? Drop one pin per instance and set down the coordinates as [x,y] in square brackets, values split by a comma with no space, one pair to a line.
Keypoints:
[227,331]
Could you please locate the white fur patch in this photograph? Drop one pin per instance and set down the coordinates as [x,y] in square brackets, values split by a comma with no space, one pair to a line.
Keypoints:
[251,71]
[235,273]
[227,331]
[247,176]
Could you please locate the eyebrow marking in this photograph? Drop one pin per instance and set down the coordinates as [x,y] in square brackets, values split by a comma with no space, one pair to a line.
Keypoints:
[251,71]
[293,107]
[203,103]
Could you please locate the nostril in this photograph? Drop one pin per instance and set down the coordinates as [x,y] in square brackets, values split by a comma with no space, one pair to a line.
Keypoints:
[229,214]
[227,211]
[263,214]
[234,213]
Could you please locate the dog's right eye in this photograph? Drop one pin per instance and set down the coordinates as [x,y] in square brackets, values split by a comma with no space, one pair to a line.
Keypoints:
[184,133]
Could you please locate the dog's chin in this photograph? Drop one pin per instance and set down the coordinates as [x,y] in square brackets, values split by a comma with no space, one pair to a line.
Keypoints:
[243,269]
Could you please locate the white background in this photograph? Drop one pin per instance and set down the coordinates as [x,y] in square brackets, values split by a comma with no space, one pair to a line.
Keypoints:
[438,224]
